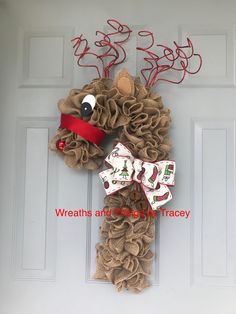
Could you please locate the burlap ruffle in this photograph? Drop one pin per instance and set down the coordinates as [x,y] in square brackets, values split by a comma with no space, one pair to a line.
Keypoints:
[125,258]
[141,120]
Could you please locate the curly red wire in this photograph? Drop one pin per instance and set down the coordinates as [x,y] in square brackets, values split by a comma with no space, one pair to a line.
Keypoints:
[167,60]
[113,52]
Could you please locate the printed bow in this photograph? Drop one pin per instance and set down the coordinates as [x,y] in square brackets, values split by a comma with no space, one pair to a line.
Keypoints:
[154,178]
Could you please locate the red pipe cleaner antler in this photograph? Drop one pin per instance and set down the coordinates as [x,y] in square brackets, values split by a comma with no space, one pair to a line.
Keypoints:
[167,60]
[113,52]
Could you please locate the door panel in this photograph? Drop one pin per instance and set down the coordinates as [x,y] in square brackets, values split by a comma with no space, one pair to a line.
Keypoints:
[47,262]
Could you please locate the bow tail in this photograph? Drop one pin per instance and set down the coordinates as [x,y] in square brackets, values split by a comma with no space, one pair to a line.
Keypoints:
[157,198]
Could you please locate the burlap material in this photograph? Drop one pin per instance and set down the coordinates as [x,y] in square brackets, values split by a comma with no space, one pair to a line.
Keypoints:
[141,122]
[125,258]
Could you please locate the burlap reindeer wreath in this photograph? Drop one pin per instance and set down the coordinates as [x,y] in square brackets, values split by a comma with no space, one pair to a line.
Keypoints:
[138,171]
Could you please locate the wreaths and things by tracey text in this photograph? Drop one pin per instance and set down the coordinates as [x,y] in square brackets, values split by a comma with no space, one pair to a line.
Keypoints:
[125,212]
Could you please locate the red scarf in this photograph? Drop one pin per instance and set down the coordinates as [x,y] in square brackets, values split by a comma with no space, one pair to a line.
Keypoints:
[86,130]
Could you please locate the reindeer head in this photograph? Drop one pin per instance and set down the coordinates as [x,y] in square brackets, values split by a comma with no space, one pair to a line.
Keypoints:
[123,105]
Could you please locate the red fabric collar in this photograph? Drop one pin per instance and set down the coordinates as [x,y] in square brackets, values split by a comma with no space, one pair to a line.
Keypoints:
[86,130]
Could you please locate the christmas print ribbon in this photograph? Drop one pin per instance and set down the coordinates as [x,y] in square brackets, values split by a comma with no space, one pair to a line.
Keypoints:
[154,177]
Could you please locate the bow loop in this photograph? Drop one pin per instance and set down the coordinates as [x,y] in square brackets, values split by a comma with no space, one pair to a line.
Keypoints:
[123,168]
[154,178]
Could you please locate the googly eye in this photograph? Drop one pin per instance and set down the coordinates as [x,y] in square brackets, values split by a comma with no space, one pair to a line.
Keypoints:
[87,105]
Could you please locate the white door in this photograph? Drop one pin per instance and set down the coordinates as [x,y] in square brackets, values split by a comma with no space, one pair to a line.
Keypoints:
[47,263]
